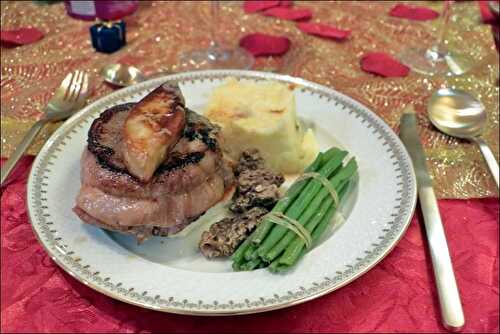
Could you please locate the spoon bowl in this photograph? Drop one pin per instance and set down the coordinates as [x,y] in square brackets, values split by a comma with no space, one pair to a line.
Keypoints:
[456,113]
[122,75]
[459,114]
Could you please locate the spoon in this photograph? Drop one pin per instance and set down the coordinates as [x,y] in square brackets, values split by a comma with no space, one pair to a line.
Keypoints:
[459,114]
[122,75]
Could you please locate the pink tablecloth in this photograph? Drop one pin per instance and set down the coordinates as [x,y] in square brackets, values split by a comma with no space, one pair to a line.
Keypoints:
[397,295]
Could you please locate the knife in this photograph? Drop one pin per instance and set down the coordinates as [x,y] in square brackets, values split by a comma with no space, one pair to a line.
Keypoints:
[449,298]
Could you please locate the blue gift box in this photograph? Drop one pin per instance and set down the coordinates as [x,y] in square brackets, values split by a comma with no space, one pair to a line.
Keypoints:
[108,37]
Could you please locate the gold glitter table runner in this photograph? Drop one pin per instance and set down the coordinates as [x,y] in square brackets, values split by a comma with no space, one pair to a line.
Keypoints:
[159,31]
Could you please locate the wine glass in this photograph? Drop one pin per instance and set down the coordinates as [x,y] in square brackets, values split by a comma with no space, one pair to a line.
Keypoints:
[437,59]
[215,56]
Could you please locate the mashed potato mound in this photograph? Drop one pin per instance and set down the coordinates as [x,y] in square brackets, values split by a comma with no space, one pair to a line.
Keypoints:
[262,115]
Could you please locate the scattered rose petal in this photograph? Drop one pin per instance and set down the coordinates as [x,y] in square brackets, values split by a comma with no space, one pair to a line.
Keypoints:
[265,45]
[383,64]
[413,13]
[20,36]
[487,16]
[323,30]
[286,3]
[297,14]
[256,6]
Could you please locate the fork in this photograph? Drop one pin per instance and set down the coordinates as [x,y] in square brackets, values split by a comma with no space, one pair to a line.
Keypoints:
[70,96]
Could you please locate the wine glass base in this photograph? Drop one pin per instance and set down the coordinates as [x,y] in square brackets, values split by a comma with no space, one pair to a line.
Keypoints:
[429,62]
[215,58]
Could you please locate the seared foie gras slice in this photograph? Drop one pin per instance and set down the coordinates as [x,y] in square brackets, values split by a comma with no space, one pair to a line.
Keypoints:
[152,128]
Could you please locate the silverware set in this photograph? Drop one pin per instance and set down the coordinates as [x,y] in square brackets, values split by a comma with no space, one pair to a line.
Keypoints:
[455,113]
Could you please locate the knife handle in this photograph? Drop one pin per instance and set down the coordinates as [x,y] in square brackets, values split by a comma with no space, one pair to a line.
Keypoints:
[449,298]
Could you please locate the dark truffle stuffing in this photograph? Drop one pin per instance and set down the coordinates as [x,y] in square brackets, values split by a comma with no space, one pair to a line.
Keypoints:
[256,185]
[249,160]
[224,237]
[256,193]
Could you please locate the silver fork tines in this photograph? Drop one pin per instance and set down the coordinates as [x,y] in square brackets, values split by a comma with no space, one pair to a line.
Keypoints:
[70,96]
[69,86]
[75,86]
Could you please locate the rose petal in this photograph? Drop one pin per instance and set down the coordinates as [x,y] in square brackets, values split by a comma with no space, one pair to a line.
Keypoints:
[286,3]
[487,16]
[21,36]
[383,64]
[265,45]
[256,6]
[323,30]
[284,13]
[413,13]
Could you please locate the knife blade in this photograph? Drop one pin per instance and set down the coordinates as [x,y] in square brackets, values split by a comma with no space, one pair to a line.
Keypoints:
[449,297]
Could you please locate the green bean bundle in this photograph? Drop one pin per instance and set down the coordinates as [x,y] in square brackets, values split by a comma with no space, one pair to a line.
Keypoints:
[309,203]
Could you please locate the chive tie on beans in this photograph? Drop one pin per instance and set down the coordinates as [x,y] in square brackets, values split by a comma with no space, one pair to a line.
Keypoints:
[306,213]
[296,248]
[258,235]
[309,203]
[331,160]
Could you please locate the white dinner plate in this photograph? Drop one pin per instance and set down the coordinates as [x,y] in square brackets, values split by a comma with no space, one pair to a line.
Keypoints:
[169,274]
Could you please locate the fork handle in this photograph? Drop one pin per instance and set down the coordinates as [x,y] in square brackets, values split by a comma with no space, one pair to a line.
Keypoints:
[20,149]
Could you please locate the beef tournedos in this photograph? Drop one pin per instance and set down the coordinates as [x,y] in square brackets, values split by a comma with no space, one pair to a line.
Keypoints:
[193,177]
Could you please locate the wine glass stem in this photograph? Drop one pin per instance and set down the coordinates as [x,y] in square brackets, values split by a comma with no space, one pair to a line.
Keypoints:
[440,47]
[214,8]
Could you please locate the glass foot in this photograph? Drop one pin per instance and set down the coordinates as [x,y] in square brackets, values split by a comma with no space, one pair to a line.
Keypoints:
[431,62]
[216,58]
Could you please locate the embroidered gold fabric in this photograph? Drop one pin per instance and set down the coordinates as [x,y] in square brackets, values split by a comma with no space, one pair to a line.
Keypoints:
[159,31]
